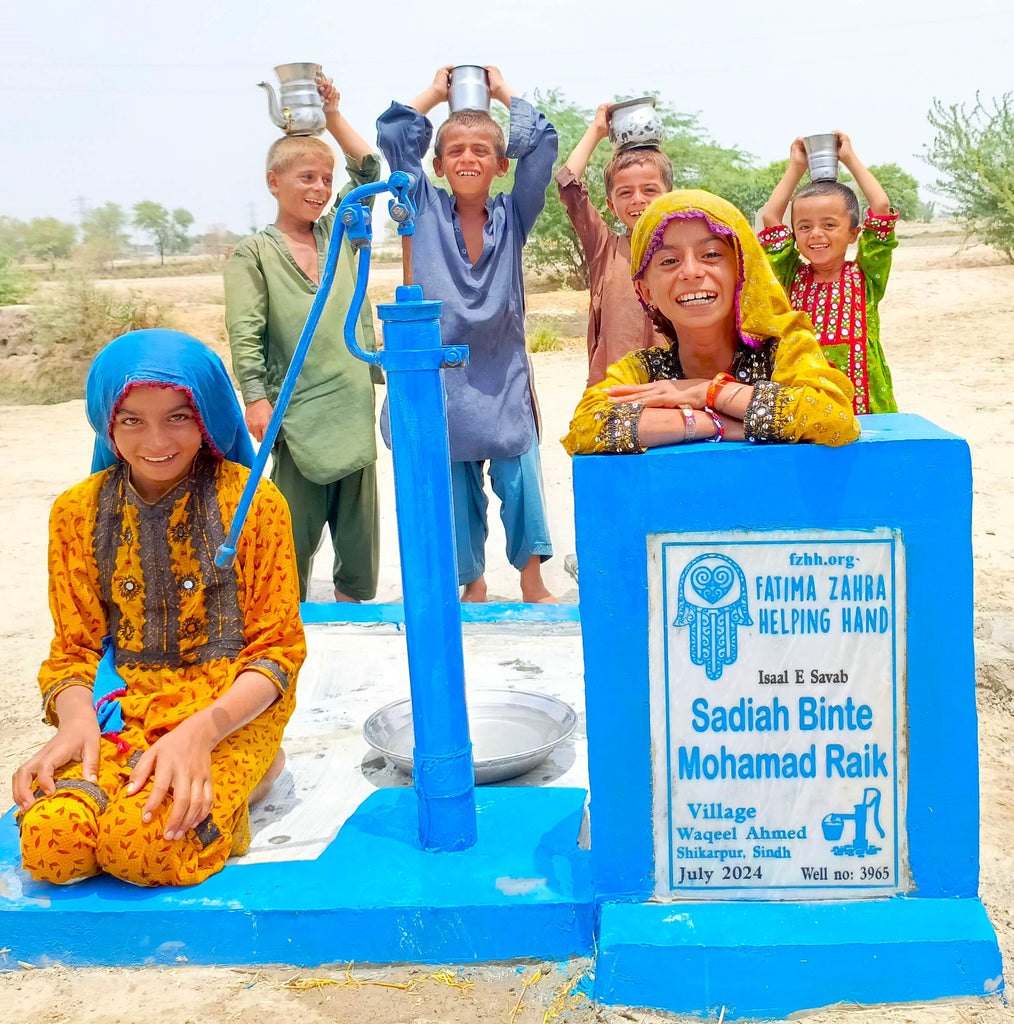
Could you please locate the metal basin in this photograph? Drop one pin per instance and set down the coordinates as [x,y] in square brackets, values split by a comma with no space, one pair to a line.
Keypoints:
[512,731]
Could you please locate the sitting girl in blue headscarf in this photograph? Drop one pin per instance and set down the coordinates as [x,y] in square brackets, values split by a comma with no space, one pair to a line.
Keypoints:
[169,679]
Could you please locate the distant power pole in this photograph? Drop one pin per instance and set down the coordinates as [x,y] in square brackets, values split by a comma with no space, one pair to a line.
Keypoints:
[253,219]
[81,202]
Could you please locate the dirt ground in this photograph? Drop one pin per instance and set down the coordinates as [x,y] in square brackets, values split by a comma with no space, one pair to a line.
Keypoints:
[947,323]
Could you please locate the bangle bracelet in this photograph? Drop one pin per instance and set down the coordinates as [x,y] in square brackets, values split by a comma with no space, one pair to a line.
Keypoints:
[689,422]
[719,428]
[717,383]
[739,388]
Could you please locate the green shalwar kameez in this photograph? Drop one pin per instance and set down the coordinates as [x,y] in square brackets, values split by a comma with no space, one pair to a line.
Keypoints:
[324,461]
[844,312]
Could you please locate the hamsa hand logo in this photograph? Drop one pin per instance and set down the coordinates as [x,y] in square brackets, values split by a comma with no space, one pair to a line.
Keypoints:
[712,600]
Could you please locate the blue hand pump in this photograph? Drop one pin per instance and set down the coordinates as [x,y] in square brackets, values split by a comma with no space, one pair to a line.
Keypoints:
[412,359]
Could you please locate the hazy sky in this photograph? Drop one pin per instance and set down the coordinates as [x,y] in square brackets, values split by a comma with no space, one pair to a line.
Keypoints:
[122,101]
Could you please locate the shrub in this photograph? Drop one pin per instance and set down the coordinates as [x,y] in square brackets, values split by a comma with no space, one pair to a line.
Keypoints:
[544,339]
[974,151]
[15,286]
[68,331]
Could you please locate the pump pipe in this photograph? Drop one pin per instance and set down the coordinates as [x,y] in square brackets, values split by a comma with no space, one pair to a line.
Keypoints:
[399,183]
[412,358]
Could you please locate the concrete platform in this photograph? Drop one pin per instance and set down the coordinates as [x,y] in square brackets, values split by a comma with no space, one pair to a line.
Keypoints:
[764,960]
[373,896]
[335,872]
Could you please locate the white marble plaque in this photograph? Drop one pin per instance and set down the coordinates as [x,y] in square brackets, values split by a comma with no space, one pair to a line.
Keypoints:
[778,714]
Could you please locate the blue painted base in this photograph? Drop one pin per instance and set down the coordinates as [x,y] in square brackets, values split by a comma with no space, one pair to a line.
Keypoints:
[373,896]
[770,959]
[394,614]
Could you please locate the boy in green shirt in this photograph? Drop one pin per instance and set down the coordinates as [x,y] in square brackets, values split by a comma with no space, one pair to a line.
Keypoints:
[324,461]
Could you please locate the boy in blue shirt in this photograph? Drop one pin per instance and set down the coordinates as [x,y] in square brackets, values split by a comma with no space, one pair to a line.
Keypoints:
[467,253]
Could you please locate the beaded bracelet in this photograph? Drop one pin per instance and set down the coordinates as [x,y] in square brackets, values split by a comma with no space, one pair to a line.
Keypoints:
[719,434]
[689,422]
[718,382]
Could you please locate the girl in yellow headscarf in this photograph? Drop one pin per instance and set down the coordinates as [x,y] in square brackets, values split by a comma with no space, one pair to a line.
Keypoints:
[740,363]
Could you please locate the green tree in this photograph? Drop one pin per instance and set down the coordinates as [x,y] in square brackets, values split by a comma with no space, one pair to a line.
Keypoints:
[181,220]
[153,218]
[104,234]
[12,236]
[698,162]
[50,239]
[901,188]
[974,151]
[168,230]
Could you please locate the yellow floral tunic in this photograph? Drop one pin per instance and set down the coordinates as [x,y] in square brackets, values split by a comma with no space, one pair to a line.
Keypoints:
[183,630]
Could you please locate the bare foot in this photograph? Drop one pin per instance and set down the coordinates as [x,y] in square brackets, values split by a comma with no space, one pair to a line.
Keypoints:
[344,598]
[475,591]
[261,790]
[533,590]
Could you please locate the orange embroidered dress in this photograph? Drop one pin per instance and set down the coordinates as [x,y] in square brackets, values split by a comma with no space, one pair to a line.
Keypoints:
[183,630]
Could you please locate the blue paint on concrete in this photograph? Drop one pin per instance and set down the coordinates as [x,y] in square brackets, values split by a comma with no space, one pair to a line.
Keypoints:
[768,960]
[904,473]
[493,613]
[373,896]
[526,889]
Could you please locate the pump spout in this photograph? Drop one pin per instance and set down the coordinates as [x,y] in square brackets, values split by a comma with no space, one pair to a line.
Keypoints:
[274,110]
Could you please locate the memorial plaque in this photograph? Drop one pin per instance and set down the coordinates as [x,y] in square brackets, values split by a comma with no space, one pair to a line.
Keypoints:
[778,714]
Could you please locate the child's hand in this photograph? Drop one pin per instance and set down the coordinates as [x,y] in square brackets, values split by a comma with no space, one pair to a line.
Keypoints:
[181,762]
[77,739]
[845,150]
[797,155]
[498,88]
[329,95]
[258,416]
[441,84]
[601,121]
[662,394]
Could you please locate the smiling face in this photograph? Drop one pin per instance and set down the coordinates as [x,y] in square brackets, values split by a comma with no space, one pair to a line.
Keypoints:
[157,434]
[823,229]
[303,189]
[633,189]
[469,161]
[691,279]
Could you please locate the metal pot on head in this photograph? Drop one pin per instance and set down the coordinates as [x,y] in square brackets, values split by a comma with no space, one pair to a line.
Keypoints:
[635,123]
[469,88]
[822,156]
[298,109]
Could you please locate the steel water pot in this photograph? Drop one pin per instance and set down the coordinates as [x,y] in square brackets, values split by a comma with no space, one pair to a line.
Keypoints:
[822,156]
[635,123]
[469,88]
[298,110]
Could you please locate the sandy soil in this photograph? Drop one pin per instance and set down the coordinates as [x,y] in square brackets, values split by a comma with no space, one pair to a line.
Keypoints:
[947,322]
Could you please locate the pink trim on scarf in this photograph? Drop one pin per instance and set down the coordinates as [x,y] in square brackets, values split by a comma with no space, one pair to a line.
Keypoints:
[718,229]
[175,387]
